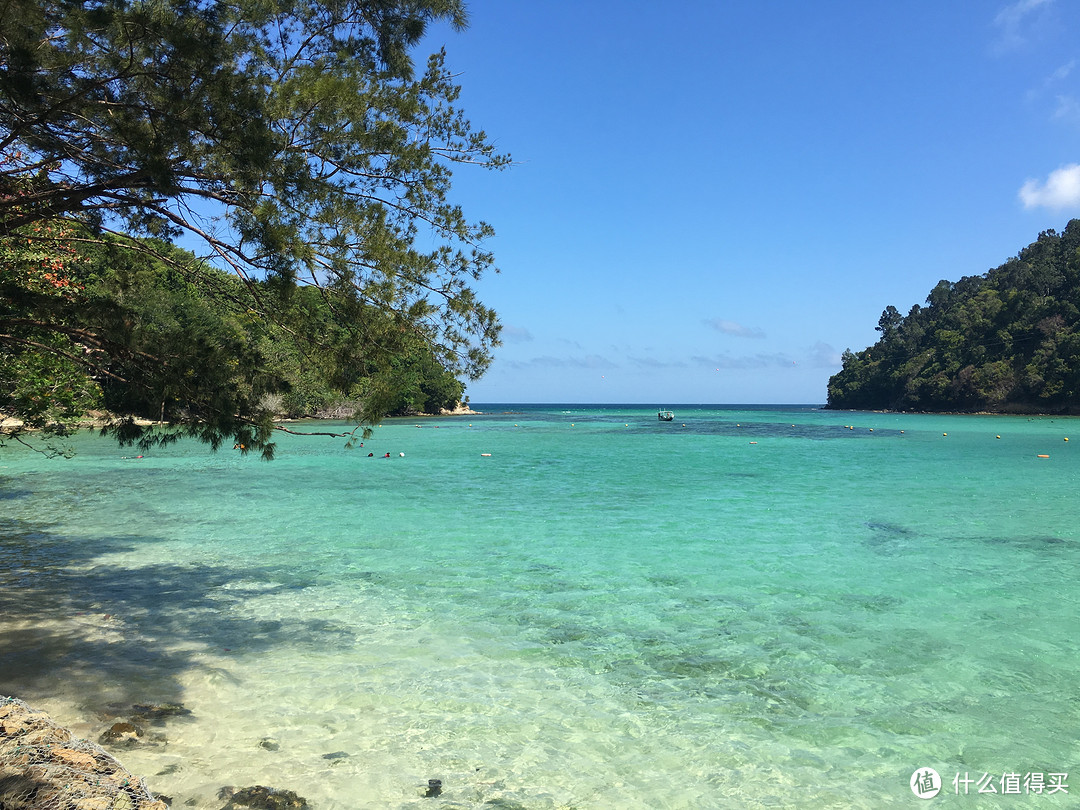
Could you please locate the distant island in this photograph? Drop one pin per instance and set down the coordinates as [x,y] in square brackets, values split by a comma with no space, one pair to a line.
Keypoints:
[1007,341]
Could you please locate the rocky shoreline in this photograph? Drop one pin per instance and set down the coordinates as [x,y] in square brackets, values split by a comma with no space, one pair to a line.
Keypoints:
[43,766]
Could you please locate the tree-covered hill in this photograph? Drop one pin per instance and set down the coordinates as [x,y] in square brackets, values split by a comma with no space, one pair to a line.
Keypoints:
[156,335]
[1005,341]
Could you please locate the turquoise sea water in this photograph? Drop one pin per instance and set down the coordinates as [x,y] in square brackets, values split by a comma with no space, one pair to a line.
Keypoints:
[746,607]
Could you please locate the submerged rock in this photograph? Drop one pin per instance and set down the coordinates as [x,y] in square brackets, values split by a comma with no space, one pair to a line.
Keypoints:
[121,734]
[503,804]
[157,711]
[264,798]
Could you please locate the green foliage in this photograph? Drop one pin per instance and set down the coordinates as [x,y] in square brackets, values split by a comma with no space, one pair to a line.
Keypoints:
[297,144]
[172,345]
[1007,341]
[415,383]
[42,381]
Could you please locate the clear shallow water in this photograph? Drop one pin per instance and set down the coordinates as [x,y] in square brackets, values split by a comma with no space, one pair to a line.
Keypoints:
[742,608]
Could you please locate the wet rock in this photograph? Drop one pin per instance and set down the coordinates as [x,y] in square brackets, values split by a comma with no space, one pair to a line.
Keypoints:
[121,734]
[265,798]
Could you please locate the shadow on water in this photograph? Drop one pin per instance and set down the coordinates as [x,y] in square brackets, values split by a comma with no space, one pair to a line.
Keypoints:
[888,538]
[689,425]
[761,430]
[10,492]
[891,538]
[75,627]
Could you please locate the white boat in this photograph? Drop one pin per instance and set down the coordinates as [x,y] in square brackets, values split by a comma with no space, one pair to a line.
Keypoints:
[665,416]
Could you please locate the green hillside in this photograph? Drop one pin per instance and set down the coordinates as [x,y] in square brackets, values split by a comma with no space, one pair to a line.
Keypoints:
[1005,341]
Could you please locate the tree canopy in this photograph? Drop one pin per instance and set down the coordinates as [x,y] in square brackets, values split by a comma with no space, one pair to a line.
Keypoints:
[1004,341]
[291,143]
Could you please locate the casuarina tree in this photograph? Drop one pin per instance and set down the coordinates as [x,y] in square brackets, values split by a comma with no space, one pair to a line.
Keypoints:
[295,144]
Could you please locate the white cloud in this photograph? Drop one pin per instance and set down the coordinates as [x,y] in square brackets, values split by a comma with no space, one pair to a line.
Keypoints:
[1061,189]
[1012,19]
[732,328]
[1013,15]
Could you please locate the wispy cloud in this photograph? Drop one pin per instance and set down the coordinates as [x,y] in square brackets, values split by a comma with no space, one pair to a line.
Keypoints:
[591,361]
[1068,109]
[653,364]
[1058,87]
[1013,23]
[1061,73]
[1061,189]
[732,328]
[822,355]
[1051,83]
[748,361]
[515,334]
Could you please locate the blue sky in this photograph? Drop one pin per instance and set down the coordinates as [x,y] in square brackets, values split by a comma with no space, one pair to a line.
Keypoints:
[710,201]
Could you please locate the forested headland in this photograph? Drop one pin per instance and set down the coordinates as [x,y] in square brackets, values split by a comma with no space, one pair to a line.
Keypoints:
[178,333]
[1007,341]
[215,214]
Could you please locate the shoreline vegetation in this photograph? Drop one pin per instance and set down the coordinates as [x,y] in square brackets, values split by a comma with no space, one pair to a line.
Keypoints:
[96,421]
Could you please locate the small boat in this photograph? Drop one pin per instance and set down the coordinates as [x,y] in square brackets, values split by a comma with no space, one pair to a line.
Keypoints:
[665,416]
